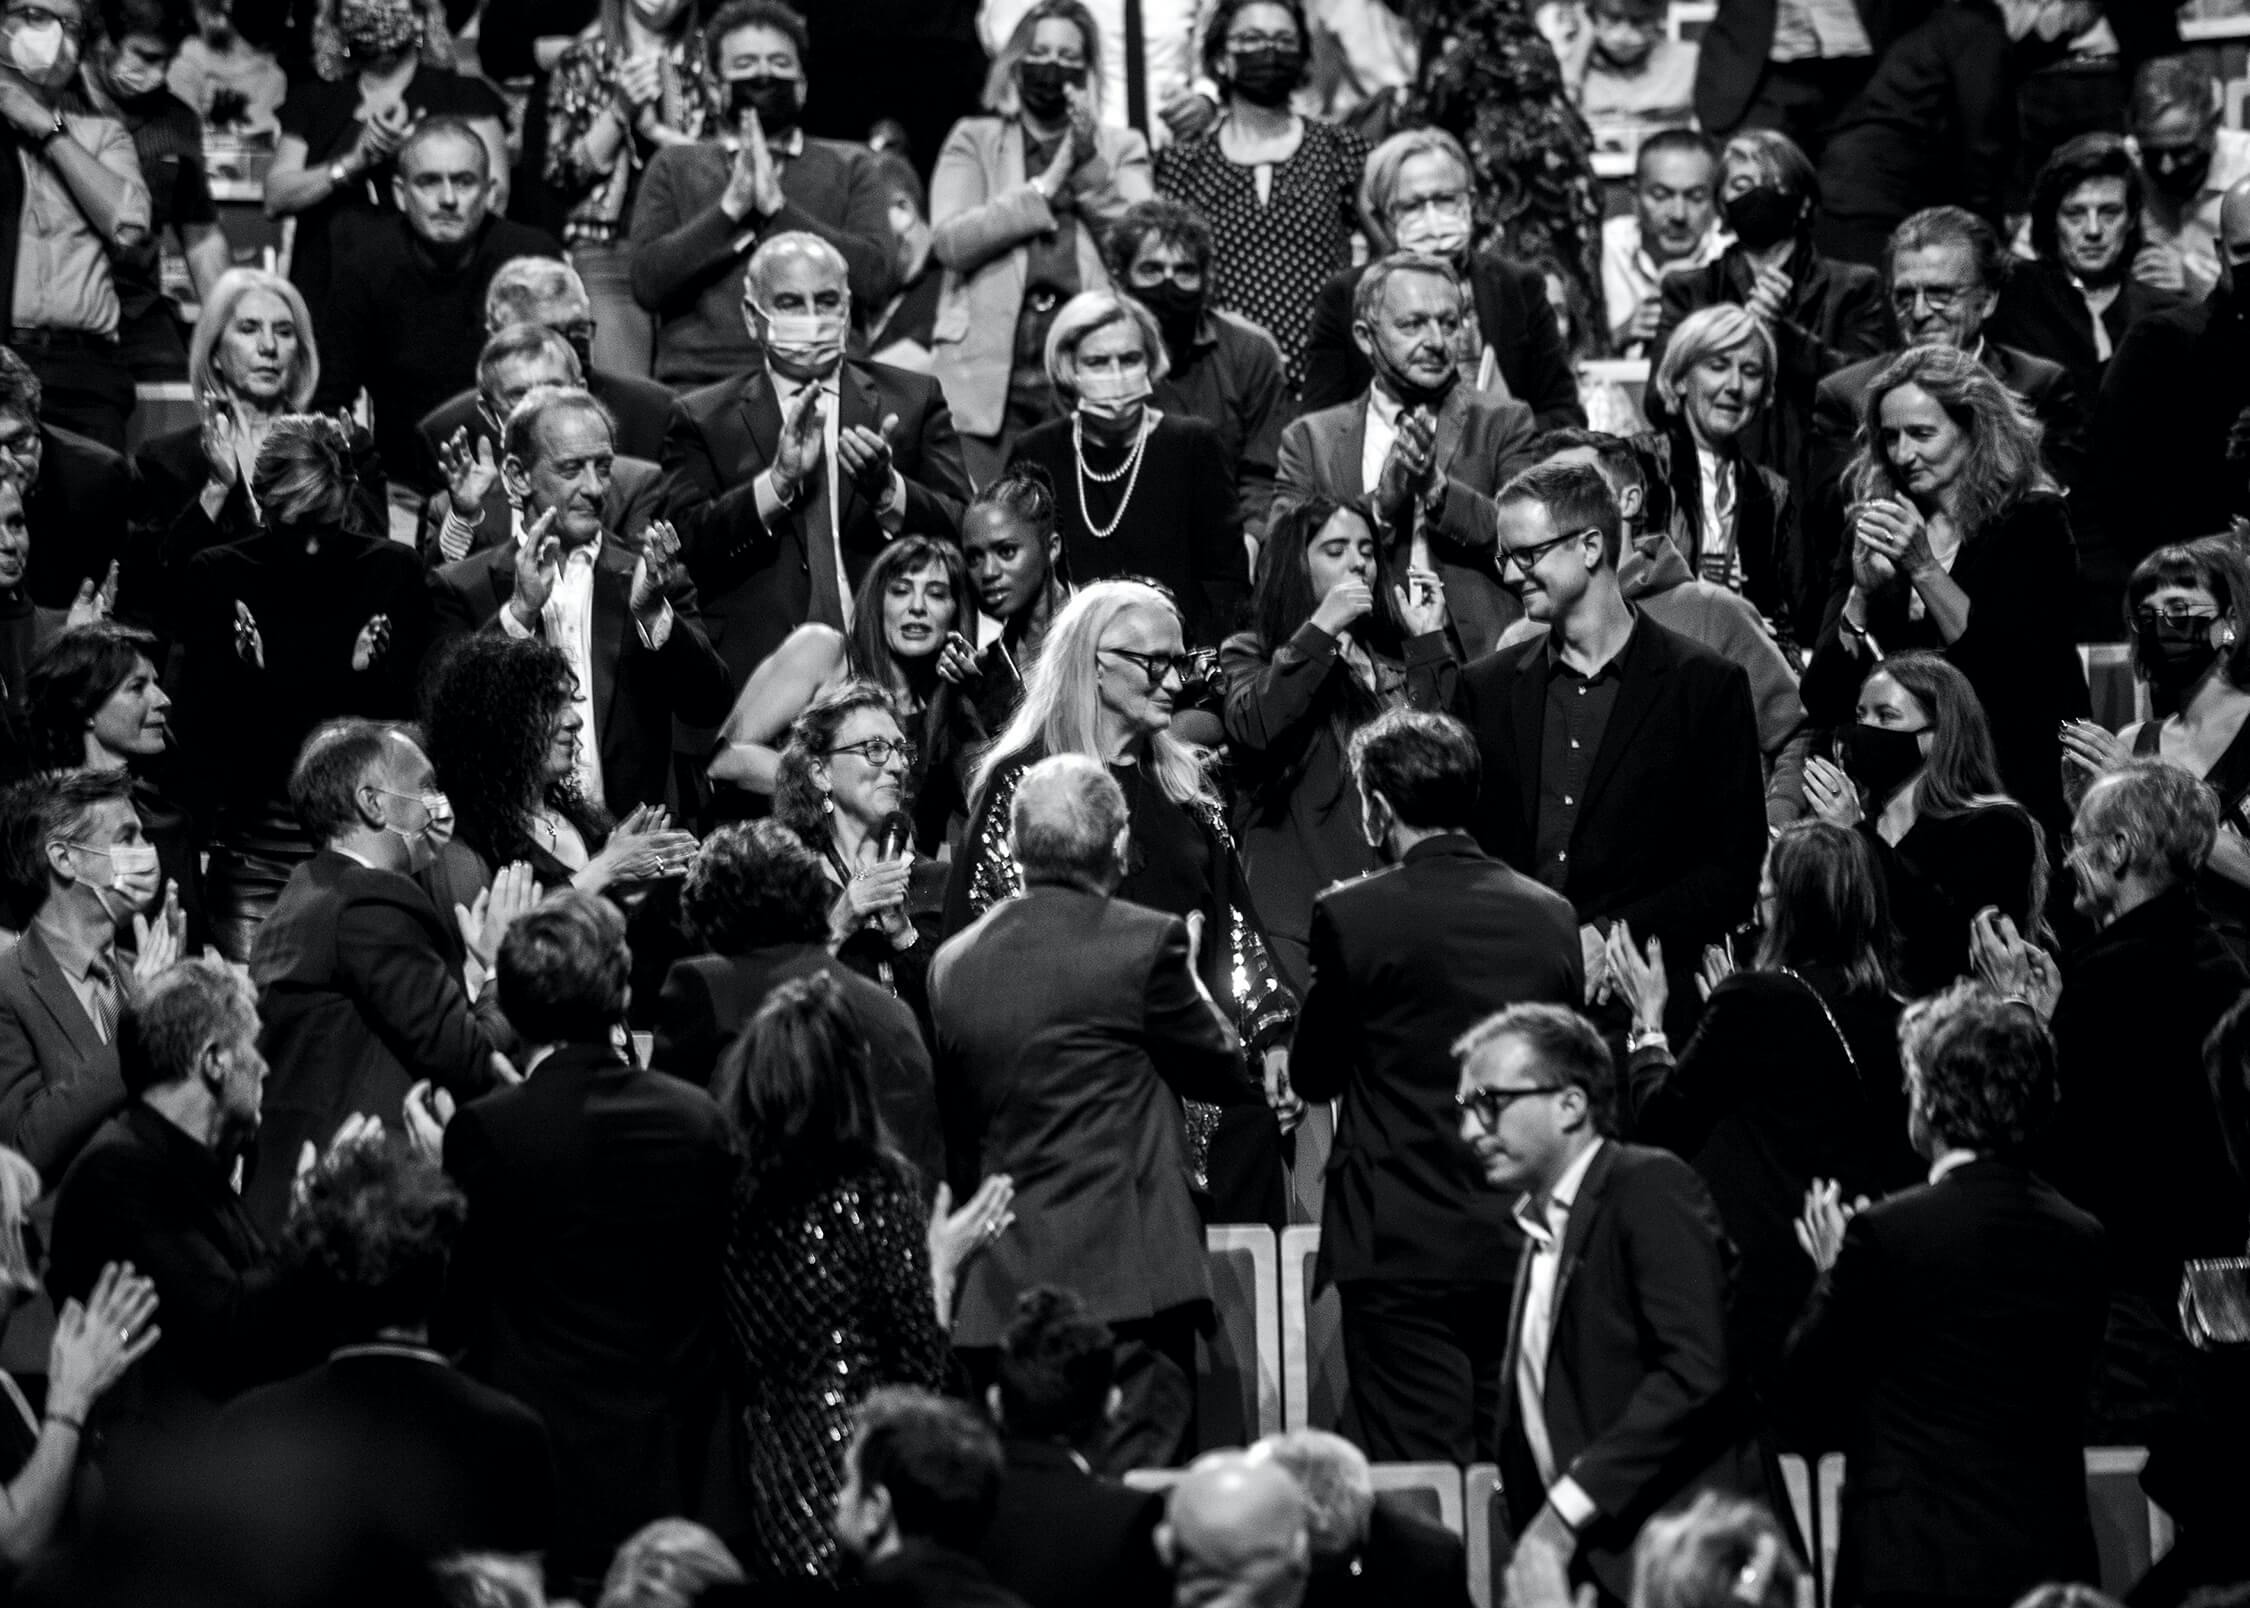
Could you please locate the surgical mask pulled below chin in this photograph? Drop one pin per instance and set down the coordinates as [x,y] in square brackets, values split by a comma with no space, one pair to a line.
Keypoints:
[1112,393]
[814,339]
[1434,233]
[42,53]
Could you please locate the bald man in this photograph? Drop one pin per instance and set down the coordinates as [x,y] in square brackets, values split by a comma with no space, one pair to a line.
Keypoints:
[2174,394]
[785,482]
[1236,1534]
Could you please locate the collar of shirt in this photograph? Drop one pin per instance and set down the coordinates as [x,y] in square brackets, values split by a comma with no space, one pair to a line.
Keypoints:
[1383,407]
[355,855]
[1544,1220]
[1951,1161]
[785,389]
[73,956]
[1614,665]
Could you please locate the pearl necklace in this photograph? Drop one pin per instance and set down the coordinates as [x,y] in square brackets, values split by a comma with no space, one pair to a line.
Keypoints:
[1129,471]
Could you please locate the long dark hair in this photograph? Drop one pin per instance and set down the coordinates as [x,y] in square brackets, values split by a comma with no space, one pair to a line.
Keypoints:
[71,678]
[798,1092]
[1284,601]
[489,704]
[1830,909]
[812,738]
[940,730]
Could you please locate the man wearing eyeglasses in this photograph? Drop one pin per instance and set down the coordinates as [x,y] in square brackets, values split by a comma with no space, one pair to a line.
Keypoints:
[1943,268]
[1621,763]
[1618,1396]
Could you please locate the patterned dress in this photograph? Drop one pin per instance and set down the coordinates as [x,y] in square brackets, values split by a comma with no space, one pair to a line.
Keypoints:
[1270,259]
[582,87]
[827,1296]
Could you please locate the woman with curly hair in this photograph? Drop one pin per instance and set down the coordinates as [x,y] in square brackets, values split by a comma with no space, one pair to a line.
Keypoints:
[1104,685]
[501,725]
[1956,540]
[909,608]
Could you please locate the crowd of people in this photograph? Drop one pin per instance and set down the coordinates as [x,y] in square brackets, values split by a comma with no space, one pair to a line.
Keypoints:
[809,686]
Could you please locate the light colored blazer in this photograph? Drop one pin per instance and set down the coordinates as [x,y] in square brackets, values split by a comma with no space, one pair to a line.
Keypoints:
[983,209]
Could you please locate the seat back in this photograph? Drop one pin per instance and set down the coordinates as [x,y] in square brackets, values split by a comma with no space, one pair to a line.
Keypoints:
[1238,1365]
[1312,1345]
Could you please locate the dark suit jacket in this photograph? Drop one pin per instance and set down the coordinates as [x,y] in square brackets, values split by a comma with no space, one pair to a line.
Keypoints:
[419,1453]
[1480,443]
[1064,1537]
[1734,48]
[638,691]
[2042,313]
[1068,1030]
[58,1080]
[709,999]
[359,998]
[642,408]
[756,585]
[635,491]
[1776,576]
[85,501]
[1403,963]
[1644,1404]
[922,1574]
[1682,730]
[1950,1347]
[1404,1560]
[587,1281]
[1513,312]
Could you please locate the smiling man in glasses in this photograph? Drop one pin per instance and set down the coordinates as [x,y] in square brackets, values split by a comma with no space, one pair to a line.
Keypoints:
[1621,763]
[1618,1396]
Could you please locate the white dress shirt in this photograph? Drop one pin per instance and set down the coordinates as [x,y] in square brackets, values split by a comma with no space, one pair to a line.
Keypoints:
[1630,275]
[1719,561]
[1547,1225]
[2196,238]
[890,512]
[1382,430]
[1951,1161]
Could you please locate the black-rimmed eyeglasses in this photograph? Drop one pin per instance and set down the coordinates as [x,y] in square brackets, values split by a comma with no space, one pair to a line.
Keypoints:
[1158,667]
[1524,558]
[1490,1105]
[878,751]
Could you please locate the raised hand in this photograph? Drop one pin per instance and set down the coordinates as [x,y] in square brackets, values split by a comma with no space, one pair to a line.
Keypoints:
[658,567]
[1897,531]
[2161,267]
[865,455]
[94,601]
[957,1235]
[470,471]
[2092,749]
[2010,964]
[1406,467]
[1346,603]
[157,944]
[249,647]
[538,566]
[1189,114]
[1421,602]
[754,184]
[640,83]
[1834,797]
[426,1112]
[368,646]
[1769,295]
[957,659]
[97,1340]
[222,443]
[1820,1226]
[514,892]
[1718,966]
[643,855]
[1083,126]
[1639,979]
[797,455]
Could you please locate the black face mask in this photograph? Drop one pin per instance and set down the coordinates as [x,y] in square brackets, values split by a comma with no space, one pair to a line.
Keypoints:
[1177,311]
[2181,180]
[1880,759]
[2173,654]
[1761,218]
[1266,77]
[1043,87]
[773,99]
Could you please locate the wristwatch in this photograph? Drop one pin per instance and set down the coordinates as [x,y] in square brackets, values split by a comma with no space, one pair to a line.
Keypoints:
[1642,1038]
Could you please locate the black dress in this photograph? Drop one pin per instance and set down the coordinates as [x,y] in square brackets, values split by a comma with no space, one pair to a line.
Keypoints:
[1179,527]
[1939,875]
[2226,902]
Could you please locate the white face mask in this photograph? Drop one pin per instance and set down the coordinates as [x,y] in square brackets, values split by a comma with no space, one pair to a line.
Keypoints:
[133,876]
[36,50]
[1434,233]
[131,80]
[1108,393]
[810,340]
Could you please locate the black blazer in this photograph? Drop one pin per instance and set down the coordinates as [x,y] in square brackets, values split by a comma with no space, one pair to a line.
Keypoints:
[641,408]
[586,1283]
[1949,1351]
[1064,1537]
[922,1574]
[1733,50]
[1405,1559]
[1513,312]
[709,999]
[58,1081]
[2042,313]
[1403,963]
[1682,731]
[1766,529]
[1068,1031]
[756,585]
[359,998]
[80,511]
[1644,1401]
[638,691]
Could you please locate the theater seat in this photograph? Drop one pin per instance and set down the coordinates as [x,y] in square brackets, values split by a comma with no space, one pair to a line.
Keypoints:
[1797,1479]
[1238,1365]
[2130,1531]
[1486,1538]
[1429,1491]
[1312,1347]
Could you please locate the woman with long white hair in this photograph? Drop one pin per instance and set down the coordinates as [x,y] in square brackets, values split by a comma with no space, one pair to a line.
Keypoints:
[1112,666]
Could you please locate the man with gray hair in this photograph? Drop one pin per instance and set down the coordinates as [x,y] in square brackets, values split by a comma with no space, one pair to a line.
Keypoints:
[2137,1139]
[1236,1534]
[546,292]
[788,479]
[1069,1026]
[1364,1550]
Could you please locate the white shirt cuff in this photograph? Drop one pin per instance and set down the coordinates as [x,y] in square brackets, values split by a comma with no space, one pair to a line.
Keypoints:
[770,505]
[513,626]
[1569,1500]
[656,629]
[891,513]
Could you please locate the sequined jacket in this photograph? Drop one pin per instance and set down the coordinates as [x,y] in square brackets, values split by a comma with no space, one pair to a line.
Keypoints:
[827,1296]
[582,87]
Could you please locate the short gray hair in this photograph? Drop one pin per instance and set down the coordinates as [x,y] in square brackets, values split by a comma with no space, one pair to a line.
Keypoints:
[793,243]
[520,340]
[1092,310]
[1706,332]
[521,286]
[523,441]
[1337,1483]
[173,1018]
[2167,818]
[1380,177]
[1373,285]
[1067,814]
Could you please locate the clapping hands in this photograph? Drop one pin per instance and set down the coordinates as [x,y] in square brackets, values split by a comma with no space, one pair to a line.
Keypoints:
[2012,965]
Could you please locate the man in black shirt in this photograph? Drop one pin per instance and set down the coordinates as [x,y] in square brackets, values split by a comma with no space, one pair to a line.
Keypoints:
[406,307]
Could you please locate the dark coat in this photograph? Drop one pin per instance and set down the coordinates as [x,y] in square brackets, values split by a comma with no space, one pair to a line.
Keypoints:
[1403,963]
[1513,312]
[359,998]
[1683,731]
[1733,50]
[1777,576]
[1405,1559]
[709,999]
[638,691]
[1068,1031]
[2042,313]
[1064,1537]
[590,1164]
[1949,1349]
[80,512]
[922,1574]
[1644,1400]
[58,1081]
[755,583]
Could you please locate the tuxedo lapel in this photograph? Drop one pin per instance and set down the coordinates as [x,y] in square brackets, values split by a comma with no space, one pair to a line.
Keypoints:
[856,404]
[761,420]
[1583,1211]
[1350,446]
[52,989]
[1511,1356]
[1452,421]
[612,619]
[1636,697]
[1528,710]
